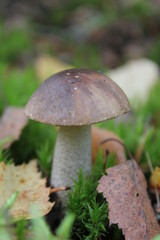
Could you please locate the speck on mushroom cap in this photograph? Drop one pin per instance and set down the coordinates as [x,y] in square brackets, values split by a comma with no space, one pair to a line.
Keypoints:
[77,97]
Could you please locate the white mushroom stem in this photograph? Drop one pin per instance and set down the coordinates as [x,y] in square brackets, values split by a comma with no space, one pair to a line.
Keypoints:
[72,152]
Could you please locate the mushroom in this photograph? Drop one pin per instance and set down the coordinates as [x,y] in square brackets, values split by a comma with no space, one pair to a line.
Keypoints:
[73,100]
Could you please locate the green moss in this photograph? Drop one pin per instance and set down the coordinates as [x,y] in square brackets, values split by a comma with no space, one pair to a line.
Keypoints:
[90,208]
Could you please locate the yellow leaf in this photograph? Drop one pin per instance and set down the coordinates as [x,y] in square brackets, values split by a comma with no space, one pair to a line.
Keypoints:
[31,188]
[46,66]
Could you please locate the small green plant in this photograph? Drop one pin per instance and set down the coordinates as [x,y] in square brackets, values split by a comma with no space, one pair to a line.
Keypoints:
[40,229]
[36,228]
[21,229]
[5,156]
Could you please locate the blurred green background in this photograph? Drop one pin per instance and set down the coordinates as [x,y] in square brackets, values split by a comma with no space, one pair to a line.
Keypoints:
[98,34]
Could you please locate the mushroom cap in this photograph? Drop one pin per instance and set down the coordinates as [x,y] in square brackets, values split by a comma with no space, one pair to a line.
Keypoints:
[77,97]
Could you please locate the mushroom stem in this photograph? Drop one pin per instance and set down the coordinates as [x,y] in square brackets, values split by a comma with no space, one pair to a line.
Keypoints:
[72,152]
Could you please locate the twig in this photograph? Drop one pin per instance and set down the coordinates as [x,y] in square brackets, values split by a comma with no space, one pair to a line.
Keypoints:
[58,189]
[121,143]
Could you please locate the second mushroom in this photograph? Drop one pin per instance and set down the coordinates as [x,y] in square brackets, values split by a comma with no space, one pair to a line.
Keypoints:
[73,100]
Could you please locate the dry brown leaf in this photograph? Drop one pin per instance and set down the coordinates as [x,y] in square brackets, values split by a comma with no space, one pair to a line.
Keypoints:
[31,187]
[98,135]
[11,124]
[46,66]
[124,187]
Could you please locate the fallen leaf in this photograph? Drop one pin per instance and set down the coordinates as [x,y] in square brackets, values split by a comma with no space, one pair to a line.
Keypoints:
[124,188]
[46,66]
[11,124]
[128,75]
[31,188]
[155,178]
[98,135]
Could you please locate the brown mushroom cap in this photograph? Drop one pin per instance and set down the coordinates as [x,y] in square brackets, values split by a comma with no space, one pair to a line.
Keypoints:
[77,97]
